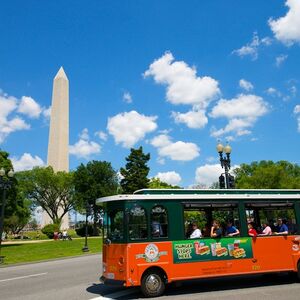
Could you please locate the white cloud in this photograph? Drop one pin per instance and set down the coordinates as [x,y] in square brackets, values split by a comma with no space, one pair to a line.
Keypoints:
[297,109]
[192,119]
[242,113]
[29,107]
[47,112]
[297,113]
[130,127]
[293,91]
[8,105]
[273,92]
[84,148]
[208,174]
[127,97]
[179,151]
[102,135]
[251,49]
[287,29]
[171,177]
[183,85]
[246,85]
[84,134]
[280,59]
[26,162]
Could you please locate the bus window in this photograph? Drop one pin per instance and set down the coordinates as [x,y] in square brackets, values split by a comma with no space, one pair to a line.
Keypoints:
[137,225]
[195,218]
[228,219]
[203,215]
[268,217]
[116,225]
[159,222]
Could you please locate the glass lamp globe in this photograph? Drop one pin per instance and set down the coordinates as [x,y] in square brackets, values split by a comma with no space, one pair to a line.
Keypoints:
[227,149]
[220,148]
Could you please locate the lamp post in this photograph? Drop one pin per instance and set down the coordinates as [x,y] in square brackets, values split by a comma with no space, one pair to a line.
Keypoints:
[225,163]
[5,184]
[87,210]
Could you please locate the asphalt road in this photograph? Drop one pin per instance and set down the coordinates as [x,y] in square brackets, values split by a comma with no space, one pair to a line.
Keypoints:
[77,278]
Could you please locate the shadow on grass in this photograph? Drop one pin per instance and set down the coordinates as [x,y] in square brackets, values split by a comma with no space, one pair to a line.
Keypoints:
[10,245]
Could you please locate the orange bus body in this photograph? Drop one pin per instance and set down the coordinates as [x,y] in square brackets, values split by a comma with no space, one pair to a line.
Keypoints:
[127,263]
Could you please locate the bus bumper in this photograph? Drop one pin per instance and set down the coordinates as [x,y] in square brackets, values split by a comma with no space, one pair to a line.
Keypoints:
[112,282]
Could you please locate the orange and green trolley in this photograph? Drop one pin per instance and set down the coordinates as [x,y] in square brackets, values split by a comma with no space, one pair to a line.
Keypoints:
[147,241]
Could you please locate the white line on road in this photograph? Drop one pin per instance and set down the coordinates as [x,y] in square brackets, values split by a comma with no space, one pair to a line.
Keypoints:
[23,277]
[117,294]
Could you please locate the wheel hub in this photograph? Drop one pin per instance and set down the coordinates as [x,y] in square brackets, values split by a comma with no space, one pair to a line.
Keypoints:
[152,283]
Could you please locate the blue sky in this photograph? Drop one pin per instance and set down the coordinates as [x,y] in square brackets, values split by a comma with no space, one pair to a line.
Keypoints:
[172,76]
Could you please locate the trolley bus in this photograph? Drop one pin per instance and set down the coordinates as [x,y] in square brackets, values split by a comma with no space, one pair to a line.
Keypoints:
[147,243]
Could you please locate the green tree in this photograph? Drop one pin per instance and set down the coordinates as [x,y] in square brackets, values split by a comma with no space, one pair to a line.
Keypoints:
[135,172]
[96,179]
[156,183]
[268,175]
[17,210]
[54,192]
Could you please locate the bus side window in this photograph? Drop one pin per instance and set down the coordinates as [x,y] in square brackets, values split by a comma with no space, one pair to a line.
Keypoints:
[137,225]
[159,222]
[267,216]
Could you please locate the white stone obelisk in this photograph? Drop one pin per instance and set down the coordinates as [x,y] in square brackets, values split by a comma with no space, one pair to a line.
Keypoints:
[58,146]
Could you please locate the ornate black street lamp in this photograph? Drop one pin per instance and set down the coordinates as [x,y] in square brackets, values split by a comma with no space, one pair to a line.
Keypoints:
[5,184]
[87,211]
[228,181]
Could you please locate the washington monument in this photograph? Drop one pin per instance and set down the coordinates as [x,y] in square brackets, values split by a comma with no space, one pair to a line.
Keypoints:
[58,145]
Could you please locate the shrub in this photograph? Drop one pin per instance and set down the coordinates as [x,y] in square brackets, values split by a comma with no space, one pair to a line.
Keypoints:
[36,235]
[81,231]
[50,229]
[72,233]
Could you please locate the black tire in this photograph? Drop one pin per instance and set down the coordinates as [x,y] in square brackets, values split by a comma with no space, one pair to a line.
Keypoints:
[153,284]
[298,271]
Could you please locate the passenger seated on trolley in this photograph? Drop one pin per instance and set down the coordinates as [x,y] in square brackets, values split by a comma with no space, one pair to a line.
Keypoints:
[231,230]
[282,227]
[251,229]
[266,229]
[196,234]
[156,229]
[216,230]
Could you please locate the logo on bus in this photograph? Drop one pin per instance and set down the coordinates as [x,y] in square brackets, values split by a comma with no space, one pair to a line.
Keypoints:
[151,253]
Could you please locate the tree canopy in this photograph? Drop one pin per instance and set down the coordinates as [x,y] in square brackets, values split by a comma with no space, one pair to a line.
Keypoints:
[54,192]
[268,175]
[156,183]
[135,172]
[96,179]
[17,209]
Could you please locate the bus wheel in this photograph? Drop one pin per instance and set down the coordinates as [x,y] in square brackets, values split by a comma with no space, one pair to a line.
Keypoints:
[298,271]
[153,284]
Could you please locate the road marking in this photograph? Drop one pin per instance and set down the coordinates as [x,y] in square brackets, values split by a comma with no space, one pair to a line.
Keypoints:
[23,277]
[117,294]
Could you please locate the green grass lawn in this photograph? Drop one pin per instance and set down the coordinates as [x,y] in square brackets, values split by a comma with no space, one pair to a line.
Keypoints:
[27,252]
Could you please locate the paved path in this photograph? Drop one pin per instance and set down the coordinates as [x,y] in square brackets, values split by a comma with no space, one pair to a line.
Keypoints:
[77,278]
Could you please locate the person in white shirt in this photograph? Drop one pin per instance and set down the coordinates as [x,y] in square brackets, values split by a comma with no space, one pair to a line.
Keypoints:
[196,234]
